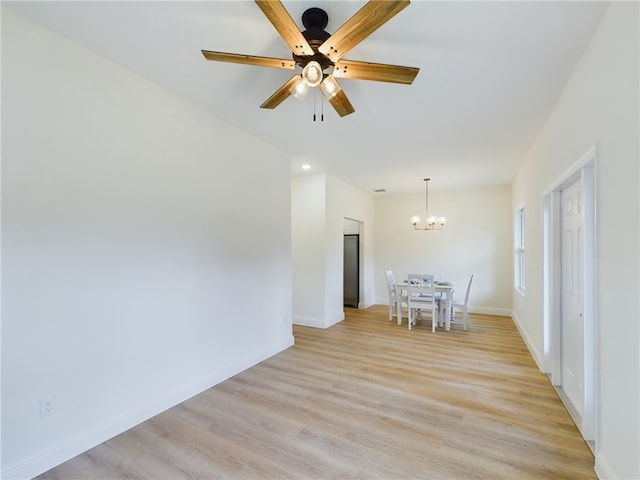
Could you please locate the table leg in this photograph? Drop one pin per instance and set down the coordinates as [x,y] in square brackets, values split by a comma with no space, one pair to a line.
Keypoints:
[447,312]
[447,317]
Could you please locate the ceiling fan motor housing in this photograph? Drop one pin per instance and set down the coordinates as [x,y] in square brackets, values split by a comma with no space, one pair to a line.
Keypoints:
[315,21]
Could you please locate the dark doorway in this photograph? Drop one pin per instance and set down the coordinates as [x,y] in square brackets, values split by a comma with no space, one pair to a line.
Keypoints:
[351,283]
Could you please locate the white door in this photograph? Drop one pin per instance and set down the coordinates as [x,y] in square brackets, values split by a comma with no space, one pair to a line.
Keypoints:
[572,323]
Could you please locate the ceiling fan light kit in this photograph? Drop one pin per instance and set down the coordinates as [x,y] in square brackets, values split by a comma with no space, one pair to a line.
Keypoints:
[316,50]
[433,222]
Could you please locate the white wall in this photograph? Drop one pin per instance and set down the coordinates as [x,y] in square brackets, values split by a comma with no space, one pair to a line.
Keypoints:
[320,203]
[599,107]
[308,219]
[125,249]
[478,238]
[345,201]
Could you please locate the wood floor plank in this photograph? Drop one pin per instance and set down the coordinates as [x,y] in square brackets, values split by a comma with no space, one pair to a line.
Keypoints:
[366,398]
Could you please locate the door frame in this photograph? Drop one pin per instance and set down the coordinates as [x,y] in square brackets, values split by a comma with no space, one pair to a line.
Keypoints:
[583,171]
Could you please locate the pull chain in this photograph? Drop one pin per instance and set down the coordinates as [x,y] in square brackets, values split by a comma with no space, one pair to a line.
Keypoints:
[321,106]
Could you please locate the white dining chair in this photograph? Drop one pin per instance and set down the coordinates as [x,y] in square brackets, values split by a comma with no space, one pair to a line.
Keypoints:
[421,298]
[419,279]
[396,298]
[462,307]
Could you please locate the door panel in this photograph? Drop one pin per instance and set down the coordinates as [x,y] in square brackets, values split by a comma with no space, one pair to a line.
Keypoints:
[572,323]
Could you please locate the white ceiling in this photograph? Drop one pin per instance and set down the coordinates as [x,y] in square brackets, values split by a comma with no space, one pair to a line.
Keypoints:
[490,73]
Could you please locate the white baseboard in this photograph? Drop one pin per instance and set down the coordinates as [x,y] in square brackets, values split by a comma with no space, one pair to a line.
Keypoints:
[310,322]
[109,428]
[604,470]
[338,318]
[367,304]
[501,312]
[527,340]
[318,322]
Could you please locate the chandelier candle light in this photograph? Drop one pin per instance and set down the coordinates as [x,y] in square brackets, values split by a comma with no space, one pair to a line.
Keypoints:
[433,223]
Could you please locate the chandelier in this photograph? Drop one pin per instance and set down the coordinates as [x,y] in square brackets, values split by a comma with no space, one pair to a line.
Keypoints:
[432,223]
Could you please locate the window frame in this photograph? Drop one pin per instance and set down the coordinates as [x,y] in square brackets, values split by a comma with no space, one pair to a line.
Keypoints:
[519,250]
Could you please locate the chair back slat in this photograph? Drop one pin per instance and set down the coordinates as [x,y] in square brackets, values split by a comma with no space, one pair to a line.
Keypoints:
[421,296]
[466,296]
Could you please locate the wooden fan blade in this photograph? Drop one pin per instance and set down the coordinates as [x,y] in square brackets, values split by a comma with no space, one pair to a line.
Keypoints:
[336,96]
[378,72]
[364,22]
[249,60]
[282,93]
[341,103]
[286,27]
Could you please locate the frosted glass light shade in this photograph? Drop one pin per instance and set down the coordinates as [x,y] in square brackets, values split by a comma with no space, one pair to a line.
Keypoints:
[300,89]
[329,86]
[312,73]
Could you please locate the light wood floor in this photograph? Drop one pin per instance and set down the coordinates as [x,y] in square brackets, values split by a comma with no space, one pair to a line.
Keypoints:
[365,398]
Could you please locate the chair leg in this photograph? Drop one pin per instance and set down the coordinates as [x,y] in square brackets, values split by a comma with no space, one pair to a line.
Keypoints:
[465,316]
[411,312]
[443,316]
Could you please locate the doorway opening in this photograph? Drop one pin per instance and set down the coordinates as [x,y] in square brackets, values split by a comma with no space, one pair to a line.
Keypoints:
[351,263]
[569,292]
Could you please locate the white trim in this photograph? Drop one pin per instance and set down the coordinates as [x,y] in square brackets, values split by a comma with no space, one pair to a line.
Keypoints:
[590,298]
[310,322]
[588,157]
[551,281]
[317,322]
[582,171]
[603,469]
[547,307]
[362,305]
[499,311]
[528,342]
[69,448]
[520,250]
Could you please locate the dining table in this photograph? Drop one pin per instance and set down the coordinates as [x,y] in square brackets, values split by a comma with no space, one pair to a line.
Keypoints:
[446,290]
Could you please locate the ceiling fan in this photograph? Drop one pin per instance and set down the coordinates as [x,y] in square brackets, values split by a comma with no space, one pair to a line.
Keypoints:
[317,51]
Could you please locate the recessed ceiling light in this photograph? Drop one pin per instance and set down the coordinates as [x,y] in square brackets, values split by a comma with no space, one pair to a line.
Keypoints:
[306,166]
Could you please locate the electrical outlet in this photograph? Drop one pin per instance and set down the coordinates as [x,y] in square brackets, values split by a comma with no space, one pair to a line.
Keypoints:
[47,406]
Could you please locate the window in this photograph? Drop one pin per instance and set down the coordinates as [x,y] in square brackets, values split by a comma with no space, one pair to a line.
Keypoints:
[519,260]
